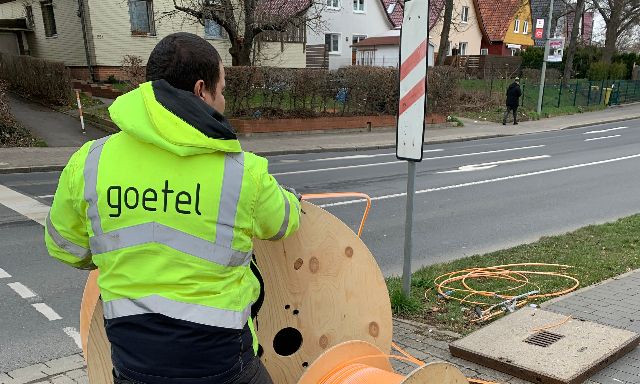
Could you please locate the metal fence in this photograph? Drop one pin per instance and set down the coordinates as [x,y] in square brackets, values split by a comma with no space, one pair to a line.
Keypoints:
[558,94]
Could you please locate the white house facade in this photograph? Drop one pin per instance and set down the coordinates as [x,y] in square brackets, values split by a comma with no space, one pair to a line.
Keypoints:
[344,23]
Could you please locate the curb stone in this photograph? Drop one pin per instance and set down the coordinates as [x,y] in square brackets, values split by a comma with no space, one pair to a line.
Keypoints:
[66,370]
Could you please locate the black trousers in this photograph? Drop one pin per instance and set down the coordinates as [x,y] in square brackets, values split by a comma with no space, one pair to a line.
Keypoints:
[506,114]
[253,373]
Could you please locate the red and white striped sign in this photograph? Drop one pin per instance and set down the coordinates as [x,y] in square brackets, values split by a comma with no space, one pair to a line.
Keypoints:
[414,49]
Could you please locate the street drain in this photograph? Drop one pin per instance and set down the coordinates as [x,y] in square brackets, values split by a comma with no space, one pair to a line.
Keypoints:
[543,339]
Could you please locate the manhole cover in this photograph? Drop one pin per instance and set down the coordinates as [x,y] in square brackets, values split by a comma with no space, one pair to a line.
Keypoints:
[543,339]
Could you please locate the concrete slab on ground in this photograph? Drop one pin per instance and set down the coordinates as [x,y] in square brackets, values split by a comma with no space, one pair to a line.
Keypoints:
[545,347]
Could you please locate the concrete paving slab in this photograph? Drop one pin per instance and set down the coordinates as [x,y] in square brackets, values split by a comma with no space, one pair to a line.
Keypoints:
[579,349]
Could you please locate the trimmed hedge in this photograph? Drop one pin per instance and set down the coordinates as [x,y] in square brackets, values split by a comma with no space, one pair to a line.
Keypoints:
[45,80]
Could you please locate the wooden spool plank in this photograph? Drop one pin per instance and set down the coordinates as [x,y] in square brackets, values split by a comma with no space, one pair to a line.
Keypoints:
[324,283]
[89,301]
[98,351]
[436,373]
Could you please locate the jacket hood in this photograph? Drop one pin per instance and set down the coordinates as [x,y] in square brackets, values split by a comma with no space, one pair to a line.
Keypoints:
[174,120]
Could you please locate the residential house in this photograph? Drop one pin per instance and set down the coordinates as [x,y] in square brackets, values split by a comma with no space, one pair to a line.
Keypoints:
[585,31]
[384,50]
[506,26]
[465,35]
[97,34]
[540,10]
[344,23]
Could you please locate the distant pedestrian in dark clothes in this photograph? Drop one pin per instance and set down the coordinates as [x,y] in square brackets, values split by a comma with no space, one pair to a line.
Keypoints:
[513,98]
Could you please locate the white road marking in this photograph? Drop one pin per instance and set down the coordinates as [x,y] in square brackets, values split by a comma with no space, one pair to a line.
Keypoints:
[601,138]
[367,156]
[487,181]
[24,205]
[4,274]
[402,161]
[74,334]
[45,196]
[493,164]
[604,130]
[22,290]
[46,311]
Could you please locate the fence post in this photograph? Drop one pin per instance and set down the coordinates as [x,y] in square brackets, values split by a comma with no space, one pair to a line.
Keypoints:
[560,92]
[635,86]
[626,91]
[523,93]
[601,89]
[589,94]
[575,94]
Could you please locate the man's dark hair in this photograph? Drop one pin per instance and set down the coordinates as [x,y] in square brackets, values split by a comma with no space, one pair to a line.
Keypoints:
[182,59]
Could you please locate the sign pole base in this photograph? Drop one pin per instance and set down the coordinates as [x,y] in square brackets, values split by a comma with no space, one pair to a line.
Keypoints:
[408,230]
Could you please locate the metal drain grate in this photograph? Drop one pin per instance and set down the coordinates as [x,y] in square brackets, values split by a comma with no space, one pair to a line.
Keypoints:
[543,339]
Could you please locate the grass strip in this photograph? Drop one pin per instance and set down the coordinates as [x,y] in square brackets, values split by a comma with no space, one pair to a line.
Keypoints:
[596,253]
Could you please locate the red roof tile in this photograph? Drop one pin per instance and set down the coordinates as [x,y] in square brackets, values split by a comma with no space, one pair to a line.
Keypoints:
[373,41]
[495,16]
[397,11]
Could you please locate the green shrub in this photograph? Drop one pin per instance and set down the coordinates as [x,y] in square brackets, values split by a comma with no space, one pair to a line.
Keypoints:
[532,57]
[45,80]
[598,71]
[618,71]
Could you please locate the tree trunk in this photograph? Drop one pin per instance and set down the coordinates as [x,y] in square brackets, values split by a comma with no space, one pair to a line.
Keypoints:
[240,52]
[612,31]
[568,66]
[446,26]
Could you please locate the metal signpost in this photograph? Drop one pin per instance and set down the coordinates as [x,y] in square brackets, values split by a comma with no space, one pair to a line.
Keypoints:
[414,61]
[544,62]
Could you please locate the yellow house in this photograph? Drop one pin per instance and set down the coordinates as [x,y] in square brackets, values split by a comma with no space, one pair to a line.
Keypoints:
[506,26]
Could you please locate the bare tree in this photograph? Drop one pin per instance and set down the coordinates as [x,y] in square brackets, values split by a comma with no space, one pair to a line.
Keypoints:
[446,27]
[245,20]
[573,41]
[619,16]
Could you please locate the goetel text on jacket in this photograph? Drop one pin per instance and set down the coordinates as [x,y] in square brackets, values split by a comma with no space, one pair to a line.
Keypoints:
[120,197]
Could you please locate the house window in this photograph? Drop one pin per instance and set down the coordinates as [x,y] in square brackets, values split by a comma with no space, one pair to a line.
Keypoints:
[514,51]
[28,11]
[484,51]
[141,15]
[463,48]
[358,5]
[465,14]
[525,27]
[516,27]
[332,41]
[333,4]
[213,30]
[48,18]
[358,38]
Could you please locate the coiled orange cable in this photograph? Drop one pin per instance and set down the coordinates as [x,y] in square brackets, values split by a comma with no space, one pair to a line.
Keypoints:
[339,195]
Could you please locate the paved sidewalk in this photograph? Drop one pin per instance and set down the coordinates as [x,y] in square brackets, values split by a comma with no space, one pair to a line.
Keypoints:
[63,135]
[615,302]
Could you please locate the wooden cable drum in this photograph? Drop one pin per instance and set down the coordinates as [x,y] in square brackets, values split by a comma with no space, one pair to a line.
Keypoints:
[323,287]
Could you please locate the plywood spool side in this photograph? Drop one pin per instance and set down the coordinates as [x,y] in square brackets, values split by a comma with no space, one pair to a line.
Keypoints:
[324,283]
[436,373]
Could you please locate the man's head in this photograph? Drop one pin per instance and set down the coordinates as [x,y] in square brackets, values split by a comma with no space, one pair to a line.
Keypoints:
[517,80]
[190,63]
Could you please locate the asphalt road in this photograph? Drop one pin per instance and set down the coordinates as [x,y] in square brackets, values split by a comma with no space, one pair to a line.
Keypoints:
[473,197]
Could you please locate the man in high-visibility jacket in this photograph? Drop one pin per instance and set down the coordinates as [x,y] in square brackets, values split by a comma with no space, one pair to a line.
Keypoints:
[167,210]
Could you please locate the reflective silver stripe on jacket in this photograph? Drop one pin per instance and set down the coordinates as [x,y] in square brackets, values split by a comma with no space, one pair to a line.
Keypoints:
[74,249]
[229,197]
[285,221]
[194,313]
[91,183]
[219,252]
[173,238]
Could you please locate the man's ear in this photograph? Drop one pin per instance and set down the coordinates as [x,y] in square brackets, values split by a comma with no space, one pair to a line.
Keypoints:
[198,89]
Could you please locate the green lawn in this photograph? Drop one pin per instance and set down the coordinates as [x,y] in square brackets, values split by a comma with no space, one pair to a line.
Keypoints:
[596,253]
